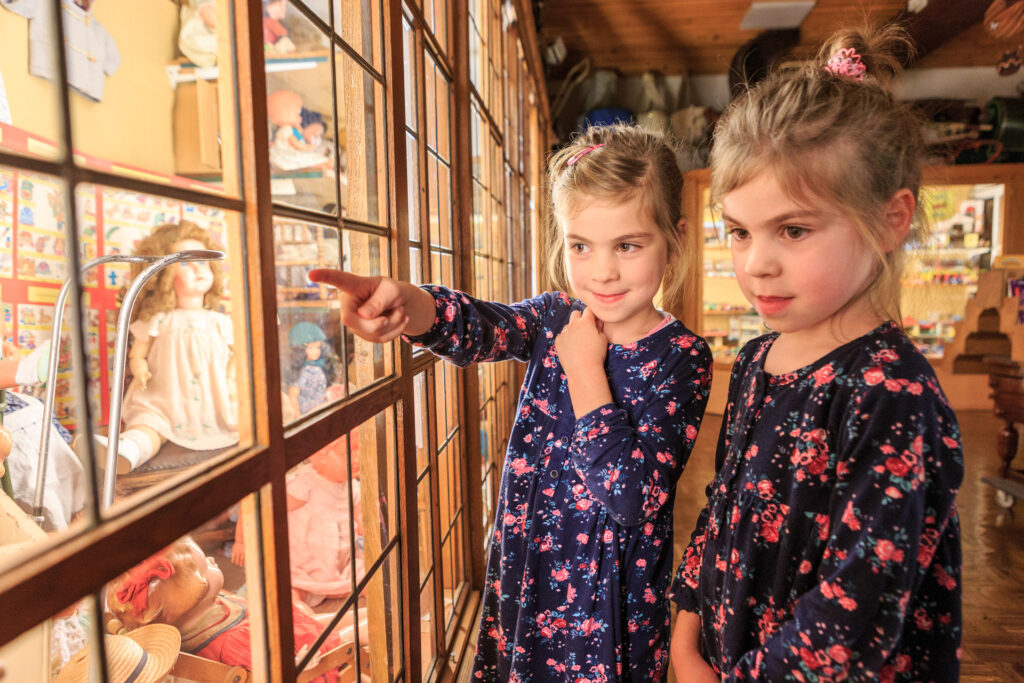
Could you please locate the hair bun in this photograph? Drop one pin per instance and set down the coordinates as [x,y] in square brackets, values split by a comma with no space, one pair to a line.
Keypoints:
[868,54]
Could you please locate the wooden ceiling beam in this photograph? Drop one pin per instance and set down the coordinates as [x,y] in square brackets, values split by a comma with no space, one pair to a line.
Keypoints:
[938,22]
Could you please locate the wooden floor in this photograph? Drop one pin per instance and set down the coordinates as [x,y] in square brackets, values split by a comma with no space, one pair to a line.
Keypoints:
[993,547]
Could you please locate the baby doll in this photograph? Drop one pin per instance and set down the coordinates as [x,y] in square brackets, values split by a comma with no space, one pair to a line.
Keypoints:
[311,367]
[290,149]
[182,587]
[319,535]
[181,357]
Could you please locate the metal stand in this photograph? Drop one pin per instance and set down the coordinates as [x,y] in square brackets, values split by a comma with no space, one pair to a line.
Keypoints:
[157,263]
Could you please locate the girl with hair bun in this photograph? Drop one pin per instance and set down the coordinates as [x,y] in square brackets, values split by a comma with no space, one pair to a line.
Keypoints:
[829,548]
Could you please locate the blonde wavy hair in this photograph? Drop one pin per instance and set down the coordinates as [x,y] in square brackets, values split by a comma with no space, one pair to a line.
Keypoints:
[158,295]
[633,162]
[834,139]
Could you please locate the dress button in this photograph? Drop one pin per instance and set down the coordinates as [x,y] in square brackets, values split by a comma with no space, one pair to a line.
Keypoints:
[553,474]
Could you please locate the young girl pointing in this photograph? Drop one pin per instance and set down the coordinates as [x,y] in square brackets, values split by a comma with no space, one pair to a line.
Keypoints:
[581,553]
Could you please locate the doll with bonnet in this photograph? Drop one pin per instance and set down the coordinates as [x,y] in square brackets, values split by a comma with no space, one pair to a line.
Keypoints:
[181,355]
[182,587]
[311,368]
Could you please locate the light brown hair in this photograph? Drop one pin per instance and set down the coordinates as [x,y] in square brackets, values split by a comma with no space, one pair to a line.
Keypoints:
[632,162]
[834,139]
[158,294]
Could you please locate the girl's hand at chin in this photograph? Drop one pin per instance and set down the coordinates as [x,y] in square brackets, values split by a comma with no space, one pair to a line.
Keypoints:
[581,345]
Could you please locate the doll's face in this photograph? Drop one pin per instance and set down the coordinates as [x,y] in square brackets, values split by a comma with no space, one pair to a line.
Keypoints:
[313,132]
[313,350]
[194,586]
[276,10]
[192,278]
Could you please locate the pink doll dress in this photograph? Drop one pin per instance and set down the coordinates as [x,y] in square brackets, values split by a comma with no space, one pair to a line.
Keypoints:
[319,536]
[188,400]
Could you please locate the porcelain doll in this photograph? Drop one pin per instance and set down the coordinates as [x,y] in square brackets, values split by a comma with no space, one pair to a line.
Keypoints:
[320,543]
[181,357]
[183,587]
[311,367]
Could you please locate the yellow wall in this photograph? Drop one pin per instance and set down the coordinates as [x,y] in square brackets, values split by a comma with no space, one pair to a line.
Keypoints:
[132,124]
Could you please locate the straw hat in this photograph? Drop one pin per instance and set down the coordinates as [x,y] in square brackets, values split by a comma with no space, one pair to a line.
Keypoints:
[144,655]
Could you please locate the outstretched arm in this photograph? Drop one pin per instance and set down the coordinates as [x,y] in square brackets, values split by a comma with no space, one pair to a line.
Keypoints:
[378,309]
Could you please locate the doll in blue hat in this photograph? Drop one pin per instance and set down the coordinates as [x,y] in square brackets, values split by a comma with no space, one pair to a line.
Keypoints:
[311,367]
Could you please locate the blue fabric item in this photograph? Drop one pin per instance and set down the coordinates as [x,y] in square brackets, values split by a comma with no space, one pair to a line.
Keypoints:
[581,548]
[304,333]
[607,116]
[829,548]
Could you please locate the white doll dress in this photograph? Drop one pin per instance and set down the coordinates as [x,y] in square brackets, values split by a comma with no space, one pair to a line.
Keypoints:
[188,400]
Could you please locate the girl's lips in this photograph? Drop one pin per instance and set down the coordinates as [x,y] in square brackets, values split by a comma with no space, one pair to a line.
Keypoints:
[609,298]
[770,305]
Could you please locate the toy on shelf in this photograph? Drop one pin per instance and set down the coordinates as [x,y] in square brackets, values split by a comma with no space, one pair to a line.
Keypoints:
[181,358]
[198,36]
[320,544]
[275,35]
[290,147]
[182,587]
[312,366]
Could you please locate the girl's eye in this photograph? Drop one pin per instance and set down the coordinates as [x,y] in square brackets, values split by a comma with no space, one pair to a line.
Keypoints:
[577,248]
[738,233]
[628,247]
[795,232]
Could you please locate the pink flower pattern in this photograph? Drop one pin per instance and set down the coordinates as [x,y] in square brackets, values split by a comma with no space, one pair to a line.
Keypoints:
[580,559]
[829,548]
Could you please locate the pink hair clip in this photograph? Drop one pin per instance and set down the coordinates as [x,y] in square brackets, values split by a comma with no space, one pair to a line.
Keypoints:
[846,64]
[582,153]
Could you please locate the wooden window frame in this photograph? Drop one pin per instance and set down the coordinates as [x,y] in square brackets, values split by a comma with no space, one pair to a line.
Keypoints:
[59,574]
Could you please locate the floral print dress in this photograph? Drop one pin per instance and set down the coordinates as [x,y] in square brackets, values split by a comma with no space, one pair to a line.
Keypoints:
[581,553]
[829,548]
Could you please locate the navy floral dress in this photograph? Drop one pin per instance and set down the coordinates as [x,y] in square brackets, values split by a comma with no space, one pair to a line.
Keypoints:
[581,554]
[829,548]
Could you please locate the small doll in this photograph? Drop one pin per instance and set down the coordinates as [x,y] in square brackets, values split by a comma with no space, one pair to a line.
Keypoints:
[311,368]
[198,37]
[290,148]
[181,356]
[319,532]
[182,587]
[275,35]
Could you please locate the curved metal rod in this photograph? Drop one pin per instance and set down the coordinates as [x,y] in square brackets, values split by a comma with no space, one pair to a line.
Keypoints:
[120,352]
[51,372]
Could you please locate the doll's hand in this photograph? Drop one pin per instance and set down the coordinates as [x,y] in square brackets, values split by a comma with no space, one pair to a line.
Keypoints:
[140,371]
[581,345]
[377,308]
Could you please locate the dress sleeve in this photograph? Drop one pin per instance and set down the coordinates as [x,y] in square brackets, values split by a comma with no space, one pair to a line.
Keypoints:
[684,586]
[147,328]
[899,467]
[468,330]
[631,469]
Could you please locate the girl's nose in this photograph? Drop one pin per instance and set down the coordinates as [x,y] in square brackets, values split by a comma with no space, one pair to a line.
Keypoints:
[760,259]
[606,267]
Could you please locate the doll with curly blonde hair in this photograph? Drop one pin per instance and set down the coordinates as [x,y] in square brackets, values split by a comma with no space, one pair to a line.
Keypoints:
[181,354]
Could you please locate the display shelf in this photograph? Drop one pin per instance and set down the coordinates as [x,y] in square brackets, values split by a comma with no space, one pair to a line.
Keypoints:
[184,71]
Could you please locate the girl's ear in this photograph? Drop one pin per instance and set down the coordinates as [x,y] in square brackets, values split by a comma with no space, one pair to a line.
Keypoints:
[899,216]
[675,254]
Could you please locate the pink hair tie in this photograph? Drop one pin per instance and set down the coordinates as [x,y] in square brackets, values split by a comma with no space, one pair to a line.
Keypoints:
[582,153]
[846,64]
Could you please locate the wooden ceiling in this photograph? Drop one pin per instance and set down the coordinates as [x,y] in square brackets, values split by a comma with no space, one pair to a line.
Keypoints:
[701,36]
